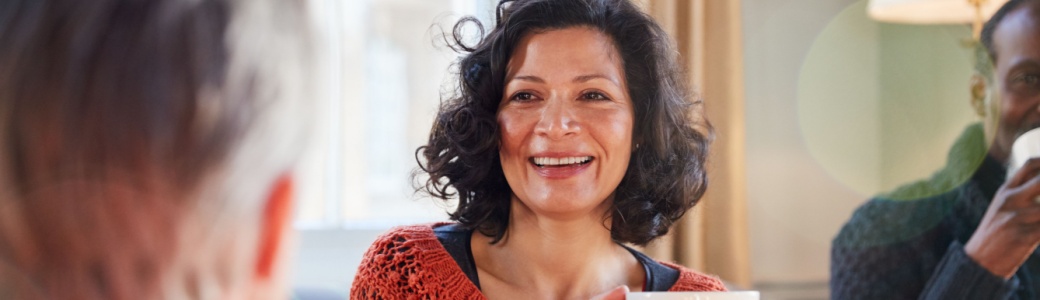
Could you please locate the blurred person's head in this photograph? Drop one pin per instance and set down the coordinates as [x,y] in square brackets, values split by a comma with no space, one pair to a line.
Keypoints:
[632,120]
[1006,89]
[147,147]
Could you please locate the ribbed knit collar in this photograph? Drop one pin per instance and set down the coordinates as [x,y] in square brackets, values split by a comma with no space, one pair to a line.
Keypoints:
[990,176]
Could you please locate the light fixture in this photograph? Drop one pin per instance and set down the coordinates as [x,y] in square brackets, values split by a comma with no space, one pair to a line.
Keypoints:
[973,12]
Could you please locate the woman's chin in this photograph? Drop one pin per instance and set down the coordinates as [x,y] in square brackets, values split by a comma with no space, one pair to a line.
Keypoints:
[565,207]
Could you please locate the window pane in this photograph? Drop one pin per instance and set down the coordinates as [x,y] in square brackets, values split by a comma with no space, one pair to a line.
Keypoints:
[391,68]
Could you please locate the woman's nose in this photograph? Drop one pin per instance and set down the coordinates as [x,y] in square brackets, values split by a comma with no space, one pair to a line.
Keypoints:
[558,120]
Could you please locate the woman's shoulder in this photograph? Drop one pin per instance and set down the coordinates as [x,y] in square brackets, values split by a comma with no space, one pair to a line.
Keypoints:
[690,280]
[409,260]
[408,239]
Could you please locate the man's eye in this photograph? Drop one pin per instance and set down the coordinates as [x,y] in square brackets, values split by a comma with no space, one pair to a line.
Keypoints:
[1025,84]
[594,96]
[1030,79]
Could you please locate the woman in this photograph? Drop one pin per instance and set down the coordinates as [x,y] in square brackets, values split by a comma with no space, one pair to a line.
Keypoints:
[569,135]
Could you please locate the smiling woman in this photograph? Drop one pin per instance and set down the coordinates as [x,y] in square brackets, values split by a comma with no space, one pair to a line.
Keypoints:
[570,134]
[565,105]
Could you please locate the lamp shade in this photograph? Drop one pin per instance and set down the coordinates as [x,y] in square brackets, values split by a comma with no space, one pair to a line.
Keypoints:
[929,11]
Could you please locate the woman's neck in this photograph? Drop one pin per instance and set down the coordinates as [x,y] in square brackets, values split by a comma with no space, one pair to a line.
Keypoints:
[554,258]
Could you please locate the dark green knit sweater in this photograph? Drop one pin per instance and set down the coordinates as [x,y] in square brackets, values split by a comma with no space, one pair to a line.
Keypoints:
[909,244]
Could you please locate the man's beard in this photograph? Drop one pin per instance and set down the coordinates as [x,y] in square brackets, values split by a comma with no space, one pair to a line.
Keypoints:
[1023,129]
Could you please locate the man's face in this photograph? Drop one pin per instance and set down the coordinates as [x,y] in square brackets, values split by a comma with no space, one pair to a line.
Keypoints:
[1016,45]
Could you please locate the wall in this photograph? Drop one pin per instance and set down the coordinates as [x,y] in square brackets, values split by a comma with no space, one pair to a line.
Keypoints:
[839,108]
[925,100]
[795,204]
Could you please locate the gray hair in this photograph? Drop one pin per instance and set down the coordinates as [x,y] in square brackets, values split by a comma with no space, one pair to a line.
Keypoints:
[139,142]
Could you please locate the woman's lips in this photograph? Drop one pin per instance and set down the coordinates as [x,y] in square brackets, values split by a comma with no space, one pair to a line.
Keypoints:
[560,167]
[559,161]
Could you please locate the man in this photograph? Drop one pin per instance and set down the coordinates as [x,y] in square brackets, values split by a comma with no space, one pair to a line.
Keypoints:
[966,233]
[147,147]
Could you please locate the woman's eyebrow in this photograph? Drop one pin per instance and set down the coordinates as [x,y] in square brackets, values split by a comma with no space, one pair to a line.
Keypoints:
[577,79]
[530,78]
[587,77]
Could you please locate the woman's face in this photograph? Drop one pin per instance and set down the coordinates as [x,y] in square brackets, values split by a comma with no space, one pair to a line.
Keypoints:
[566,122]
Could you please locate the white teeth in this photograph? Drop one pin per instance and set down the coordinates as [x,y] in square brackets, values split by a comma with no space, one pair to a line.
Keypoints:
[558,161]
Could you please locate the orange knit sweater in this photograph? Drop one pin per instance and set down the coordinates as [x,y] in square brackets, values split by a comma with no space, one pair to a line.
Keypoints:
[409,262]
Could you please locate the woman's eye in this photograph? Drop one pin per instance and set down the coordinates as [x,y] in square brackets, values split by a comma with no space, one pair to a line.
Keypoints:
[522,97]
[594,96]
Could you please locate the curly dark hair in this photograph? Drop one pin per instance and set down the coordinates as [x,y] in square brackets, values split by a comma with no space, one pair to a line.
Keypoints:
[666,175]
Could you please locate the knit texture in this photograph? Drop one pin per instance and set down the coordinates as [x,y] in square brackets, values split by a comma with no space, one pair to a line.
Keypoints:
[408,262]
[693,281]
[909,244]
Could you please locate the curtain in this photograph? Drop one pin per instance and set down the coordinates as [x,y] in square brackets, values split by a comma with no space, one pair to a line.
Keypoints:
[713,237]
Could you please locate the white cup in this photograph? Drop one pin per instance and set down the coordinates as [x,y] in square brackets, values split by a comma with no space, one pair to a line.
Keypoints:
[1026,146]
[743,295]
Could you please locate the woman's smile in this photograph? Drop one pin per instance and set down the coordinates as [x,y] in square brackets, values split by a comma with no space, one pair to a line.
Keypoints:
[565,120]
[560,165]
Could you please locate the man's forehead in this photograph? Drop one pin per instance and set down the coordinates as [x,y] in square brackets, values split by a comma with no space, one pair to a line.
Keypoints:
[1019,31]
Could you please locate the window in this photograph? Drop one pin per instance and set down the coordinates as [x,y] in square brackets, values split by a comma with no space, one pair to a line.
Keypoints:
[388,66]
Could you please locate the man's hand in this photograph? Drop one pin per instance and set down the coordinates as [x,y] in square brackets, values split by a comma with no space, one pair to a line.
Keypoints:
[1010,230]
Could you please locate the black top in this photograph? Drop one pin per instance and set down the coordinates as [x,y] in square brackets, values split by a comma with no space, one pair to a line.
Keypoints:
[457,241]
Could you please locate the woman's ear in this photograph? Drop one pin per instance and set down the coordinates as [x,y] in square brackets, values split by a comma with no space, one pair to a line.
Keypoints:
[275,222]
[978,94]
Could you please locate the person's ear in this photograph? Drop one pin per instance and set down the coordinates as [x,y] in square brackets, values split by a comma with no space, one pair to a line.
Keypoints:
[978,94]
[275,222]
